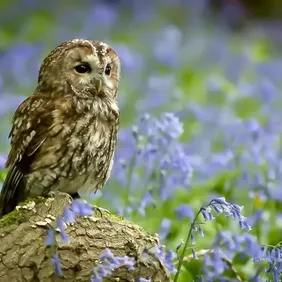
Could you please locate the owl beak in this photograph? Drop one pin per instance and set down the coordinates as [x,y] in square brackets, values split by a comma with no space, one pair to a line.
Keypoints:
[98,85]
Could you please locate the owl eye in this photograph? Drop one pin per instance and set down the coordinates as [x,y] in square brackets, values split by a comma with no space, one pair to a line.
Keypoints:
[108,69]
[83,68]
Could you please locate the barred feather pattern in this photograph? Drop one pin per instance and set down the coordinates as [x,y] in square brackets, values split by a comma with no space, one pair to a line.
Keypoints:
[76,155]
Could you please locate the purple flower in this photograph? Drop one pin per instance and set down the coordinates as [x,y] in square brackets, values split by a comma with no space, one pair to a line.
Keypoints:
[104,15]
[109,262]
[220,205]
[106,255]
[127,261]
[164,49]
[69,215]
[56,262]
[201,231]
[169,261]
[130,61]
[99,273]
[195,256]
[166,257]
[213,267]
[50,239]
[179,245]
[184,211]
[61,226]
[65,238]
[147,200]
[165,228]
[9,102]
[78,208]
[60,223]
[215,84]
[268,91]
[214,264]
[207,213]
[81,208]
[2,161]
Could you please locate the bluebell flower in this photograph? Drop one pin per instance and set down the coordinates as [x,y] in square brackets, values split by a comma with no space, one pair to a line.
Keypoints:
[9,103]
[104,15]
[127,261]
[147,200]
[143,280]
[96,277]
[131,61]
[195,256]
[65,238]
[56,262]
[165,228]
[245,243]
[179,245]
[156,151]
[168,261]
[69,215]
[50,239]
[215,266]
[166,257]
[81,208]
[215,84]
[165,48]
[169,125]
[192,239]
[268,91]
[184,210]
[109,259]
[207,213]
[2,161]
[201,231]
[272,256]
[20,57]
[108,263]
[101,271]
[61,226]
[60,223]
[221,206]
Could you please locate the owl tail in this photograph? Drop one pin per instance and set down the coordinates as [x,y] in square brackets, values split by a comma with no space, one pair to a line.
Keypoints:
[13,191]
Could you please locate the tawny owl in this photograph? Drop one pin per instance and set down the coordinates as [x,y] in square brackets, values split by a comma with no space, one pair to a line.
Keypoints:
[64,136]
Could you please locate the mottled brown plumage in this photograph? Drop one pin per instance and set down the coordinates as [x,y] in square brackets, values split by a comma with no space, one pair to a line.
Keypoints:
[64,136]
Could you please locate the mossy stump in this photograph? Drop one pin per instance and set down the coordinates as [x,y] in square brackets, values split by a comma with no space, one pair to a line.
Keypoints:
[24,256]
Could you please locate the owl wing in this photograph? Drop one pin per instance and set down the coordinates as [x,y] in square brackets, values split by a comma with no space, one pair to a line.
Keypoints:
[30,123]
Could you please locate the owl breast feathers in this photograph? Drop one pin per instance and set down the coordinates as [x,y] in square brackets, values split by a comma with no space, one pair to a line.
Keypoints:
[64,136]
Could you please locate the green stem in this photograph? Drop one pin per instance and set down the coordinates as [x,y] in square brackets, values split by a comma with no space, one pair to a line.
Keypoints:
[181,258]
[129,176]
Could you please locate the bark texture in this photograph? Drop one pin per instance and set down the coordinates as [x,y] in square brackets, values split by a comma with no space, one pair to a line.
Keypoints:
[25,257]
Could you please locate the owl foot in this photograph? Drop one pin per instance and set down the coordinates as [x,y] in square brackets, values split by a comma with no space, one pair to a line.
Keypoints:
[101,211]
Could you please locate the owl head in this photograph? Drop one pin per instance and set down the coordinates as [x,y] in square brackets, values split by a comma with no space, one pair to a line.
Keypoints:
[86,67]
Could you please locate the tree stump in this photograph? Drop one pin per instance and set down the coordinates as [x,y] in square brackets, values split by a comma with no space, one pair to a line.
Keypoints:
[24,256]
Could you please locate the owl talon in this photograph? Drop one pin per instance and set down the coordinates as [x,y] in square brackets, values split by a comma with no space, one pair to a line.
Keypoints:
[101,211]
